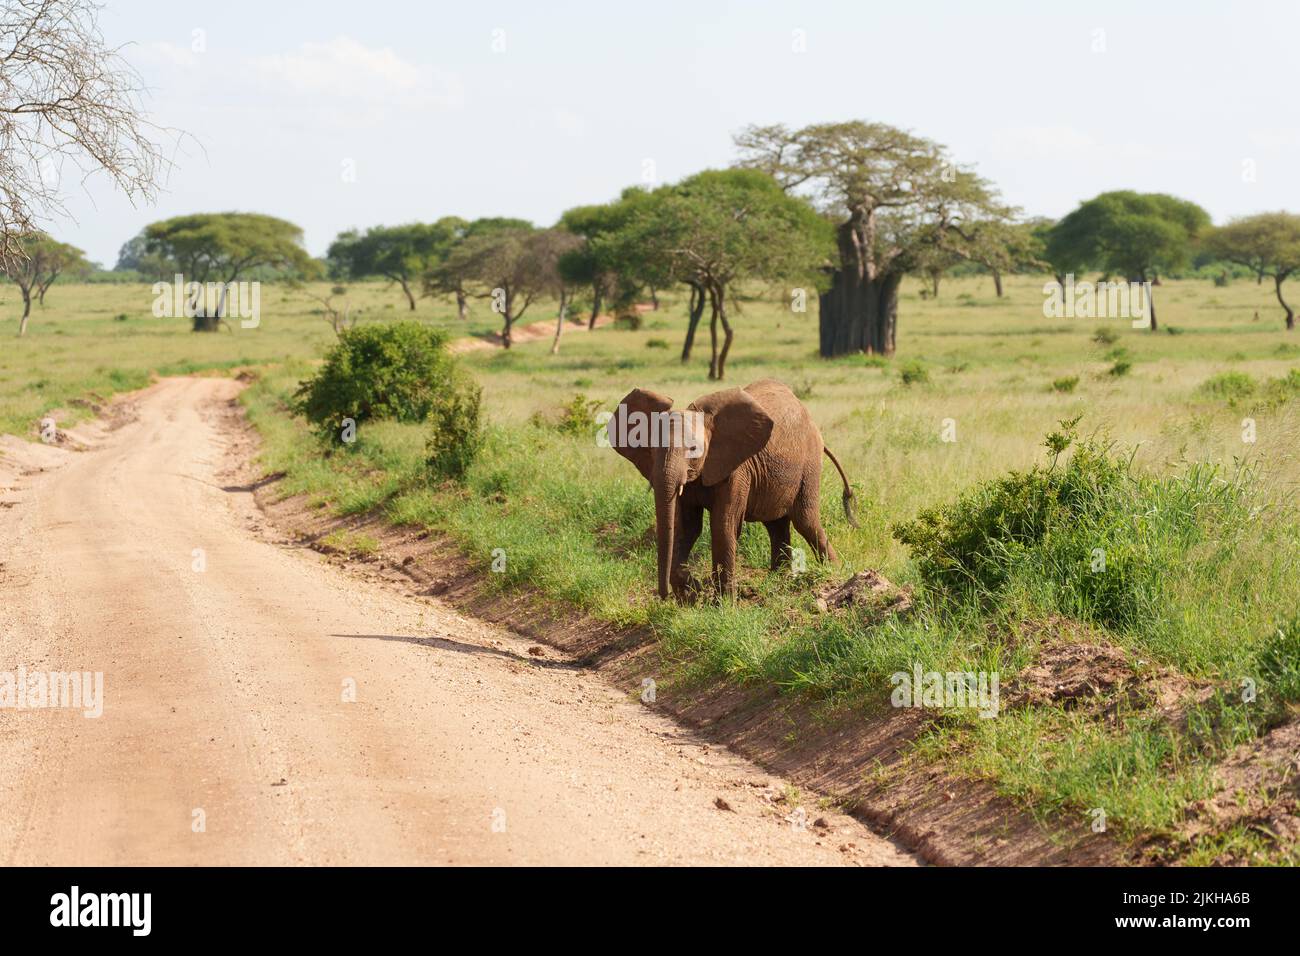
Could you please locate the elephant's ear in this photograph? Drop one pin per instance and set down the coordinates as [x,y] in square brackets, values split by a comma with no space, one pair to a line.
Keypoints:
[737,429]
[646,403]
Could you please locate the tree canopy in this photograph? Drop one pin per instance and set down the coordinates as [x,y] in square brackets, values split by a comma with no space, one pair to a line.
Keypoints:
[893,195]
[713,230]
[1136,235]
[401,254]
[1268,244]
[221,247]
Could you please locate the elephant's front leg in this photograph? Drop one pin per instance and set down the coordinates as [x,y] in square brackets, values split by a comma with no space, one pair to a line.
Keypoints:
[723,526]
[689,524]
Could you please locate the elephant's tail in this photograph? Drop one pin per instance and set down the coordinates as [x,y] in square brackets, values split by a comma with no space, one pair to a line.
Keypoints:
[848,492]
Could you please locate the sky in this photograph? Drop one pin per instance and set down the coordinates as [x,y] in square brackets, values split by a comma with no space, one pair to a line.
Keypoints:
[347,114]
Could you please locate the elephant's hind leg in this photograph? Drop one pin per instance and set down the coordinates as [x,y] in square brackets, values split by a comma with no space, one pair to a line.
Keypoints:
[807,521]
[779,532]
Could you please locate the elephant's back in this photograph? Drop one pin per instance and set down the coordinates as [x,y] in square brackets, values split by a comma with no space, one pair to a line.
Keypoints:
[790,420]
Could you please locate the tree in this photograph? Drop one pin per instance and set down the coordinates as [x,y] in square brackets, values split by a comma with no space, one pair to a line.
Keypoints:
[1001,247]
[585,264]
[931,263]
[893,195]
[135,257]
[446,273]
[552,247]
[1137,235]
[1268,244]
[39,261]
[221,247]
[400,254]
[66,99]
[714,230]
[512,266]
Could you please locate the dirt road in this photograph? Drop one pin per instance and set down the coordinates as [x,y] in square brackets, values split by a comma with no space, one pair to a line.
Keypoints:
[228,735]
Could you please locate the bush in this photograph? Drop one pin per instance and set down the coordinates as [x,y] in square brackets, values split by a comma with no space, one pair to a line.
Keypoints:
[1090,538]
[578,418]
[456,437]
[913,372]
[396,371]
[1105,335]
[1232,386]
[657,344]
[1287,387]
[1121,368]
[1066,384]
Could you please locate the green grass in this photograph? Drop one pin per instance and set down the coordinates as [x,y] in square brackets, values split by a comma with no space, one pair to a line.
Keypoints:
[1202,531]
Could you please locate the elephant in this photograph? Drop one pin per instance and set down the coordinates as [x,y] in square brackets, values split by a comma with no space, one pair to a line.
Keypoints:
[751,454]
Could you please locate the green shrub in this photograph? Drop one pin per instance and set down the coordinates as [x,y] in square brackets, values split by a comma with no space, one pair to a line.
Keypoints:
[657,344]
[1105,335]
[912,372]
[1121,368]
[1089,538]
[1066,384]
[1285,388]
[456,436]
[1231,386]
[579,416]
[397,371]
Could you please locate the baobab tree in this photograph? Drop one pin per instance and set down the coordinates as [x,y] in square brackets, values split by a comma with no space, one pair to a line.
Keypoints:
[222,246]
[893,196]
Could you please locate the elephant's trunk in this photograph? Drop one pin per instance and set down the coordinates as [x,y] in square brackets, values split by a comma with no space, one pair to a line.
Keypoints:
[669,480]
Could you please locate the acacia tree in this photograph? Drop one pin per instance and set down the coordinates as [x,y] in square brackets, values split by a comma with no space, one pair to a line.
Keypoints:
[714,230]
[223,246]
[587,264]
[931,263]
[512,267]
[67,100]
[400,254]
[892,194]
[551,248]
[40,261]
[1268,244]
[1001,247]
[1137,235]
[447,271]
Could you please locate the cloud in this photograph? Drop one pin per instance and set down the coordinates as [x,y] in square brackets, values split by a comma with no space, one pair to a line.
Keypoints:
[172,54]
[343,69]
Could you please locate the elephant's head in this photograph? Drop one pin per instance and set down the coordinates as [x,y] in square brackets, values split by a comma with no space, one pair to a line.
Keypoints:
[706,442]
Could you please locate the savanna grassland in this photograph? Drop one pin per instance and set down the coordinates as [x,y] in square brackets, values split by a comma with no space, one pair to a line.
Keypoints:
[1199,525]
